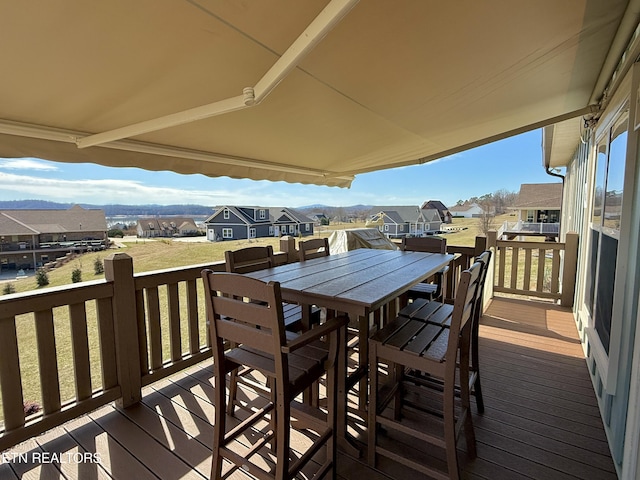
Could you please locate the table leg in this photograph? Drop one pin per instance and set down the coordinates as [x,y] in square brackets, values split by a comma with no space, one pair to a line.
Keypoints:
[344,441]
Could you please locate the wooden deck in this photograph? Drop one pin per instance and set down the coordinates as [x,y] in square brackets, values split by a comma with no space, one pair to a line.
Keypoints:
[541,418]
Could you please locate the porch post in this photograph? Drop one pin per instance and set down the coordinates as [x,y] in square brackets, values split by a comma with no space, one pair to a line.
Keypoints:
[569,269]
[118,269]
[480,245]
[288,246]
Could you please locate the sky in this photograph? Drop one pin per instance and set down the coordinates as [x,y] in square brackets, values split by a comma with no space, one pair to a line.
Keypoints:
[501,165]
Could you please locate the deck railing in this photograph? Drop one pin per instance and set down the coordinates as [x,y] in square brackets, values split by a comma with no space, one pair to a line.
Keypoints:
[88,305]
[537,269]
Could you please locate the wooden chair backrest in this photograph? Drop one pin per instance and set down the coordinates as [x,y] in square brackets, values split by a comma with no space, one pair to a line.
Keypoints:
[424,244]
[249,259]
[243,310]
[463,311]
[314,248]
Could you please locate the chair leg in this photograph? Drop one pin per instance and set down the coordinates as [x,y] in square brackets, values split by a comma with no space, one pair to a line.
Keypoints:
[233,391]
[219,429]
[283,433]
[373,404]
[465,400]
[450,435]
[477,389]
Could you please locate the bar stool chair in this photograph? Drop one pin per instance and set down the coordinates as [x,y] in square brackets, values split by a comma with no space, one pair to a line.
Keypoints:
[435,312]
[434,287]
[252,259]
[314,248]
[291,364]
[439,351]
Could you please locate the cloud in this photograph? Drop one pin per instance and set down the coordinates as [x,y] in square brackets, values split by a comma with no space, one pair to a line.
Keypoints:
[106,191]
[26,164]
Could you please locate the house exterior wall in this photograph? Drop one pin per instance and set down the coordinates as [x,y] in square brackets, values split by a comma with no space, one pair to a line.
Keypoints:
[615,370]
[473,211]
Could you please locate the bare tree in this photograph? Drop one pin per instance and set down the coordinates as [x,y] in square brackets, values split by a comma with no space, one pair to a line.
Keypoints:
[486,221]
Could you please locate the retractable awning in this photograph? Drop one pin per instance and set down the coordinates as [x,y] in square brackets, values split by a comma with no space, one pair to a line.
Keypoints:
[302,91]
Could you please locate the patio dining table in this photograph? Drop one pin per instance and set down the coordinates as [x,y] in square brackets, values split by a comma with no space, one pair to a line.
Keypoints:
[358,283]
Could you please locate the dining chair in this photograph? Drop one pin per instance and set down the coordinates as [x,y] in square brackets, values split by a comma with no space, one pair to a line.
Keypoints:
[433,287]
[433,312]
[248,313]
[434,416]
[314,248]
[252,259]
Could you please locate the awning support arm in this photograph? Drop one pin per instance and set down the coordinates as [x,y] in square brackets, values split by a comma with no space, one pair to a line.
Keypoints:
[312,35]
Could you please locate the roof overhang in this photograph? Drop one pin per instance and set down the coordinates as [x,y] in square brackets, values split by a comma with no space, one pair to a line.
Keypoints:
[311,92]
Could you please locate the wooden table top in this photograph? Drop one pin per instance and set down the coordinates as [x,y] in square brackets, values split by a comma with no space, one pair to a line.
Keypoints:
[357,282]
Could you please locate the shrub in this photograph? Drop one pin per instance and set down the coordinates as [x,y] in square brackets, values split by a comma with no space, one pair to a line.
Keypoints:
[98,266]
[8,288]
[42,278]
[115,233]
[76,275]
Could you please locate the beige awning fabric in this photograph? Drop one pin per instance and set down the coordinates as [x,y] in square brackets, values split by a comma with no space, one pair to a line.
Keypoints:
[341,87]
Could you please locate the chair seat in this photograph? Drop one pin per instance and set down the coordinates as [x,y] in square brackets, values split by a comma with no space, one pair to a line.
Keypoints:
[416,340]
[434,312]
[305,365]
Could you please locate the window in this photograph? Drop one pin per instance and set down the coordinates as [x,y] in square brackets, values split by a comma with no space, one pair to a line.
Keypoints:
[386,228]
[263,214]
[605,229]
[402,228]
[292,229]
[252,233]
[531,215]
[308,227]
[226,214]
[227,233]
[271,230]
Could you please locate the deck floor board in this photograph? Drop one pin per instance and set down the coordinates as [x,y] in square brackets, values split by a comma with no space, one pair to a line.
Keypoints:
[541,418]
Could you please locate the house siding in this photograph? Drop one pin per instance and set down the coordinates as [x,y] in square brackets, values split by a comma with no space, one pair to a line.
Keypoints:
[242,219]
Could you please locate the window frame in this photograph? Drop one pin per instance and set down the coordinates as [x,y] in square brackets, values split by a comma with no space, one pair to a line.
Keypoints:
[227,233]
[608,364]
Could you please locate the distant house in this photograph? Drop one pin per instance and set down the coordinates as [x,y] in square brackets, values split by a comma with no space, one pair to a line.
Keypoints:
[237,223]
[153,227]
[539,202]
[319,218]
[401,221]
[538,208]
[32,238]
[443,211]
[466,210]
